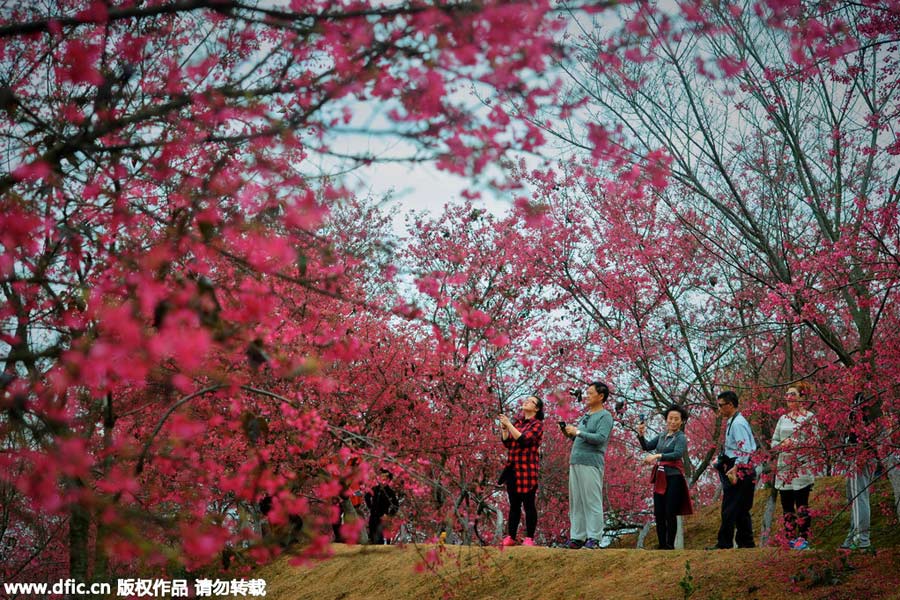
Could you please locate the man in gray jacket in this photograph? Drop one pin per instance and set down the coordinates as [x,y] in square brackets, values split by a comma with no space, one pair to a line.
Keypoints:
[586,466]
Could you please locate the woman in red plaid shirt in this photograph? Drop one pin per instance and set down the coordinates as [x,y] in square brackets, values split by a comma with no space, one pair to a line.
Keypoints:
[523,439]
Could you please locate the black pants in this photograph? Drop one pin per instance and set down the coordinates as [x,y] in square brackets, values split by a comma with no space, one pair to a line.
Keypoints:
[665,509]
[737,500]
[795,504]
[376,528]
[516,501]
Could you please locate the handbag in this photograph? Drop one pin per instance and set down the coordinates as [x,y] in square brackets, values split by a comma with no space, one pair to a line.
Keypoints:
[507,475]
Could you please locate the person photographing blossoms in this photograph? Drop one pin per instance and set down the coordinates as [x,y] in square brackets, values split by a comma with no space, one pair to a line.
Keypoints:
[587,463]
[522,439]
[794,477]
[670,490]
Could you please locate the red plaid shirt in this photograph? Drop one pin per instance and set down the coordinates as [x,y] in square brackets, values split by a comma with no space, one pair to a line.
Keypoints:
[524,453]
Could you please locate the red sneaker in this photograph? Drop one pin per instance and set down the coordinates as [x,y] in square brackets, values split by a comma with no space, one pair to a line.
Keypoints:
[528,542]
[508,541]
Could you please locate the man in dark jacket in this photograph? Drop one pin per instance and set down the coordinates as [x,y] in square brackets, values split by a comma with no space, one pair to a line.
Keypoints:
[381,501]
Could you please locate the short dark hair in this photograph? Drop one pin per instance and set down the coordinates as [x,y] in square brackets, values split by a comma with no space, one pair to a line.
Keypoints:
[675,408]
[729,397]
[601,388]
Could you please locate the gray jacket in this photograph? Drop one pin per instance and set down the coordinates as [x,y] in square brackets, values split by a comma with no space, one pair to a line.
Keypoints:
[590,443]
[670,447]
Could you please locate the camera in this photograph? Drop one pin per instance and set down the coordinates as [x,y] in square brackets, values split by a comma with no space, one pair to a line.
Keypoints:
[562,425]
[724,462]
[642,418]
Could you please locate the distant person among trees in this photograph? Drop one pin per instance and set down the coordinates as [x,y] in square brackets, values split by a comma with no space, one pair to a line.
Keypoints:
[862,461]
[671,496]
[381,501]
[346,507]
[794,433]
[737,476]
[587,463]
[523,440]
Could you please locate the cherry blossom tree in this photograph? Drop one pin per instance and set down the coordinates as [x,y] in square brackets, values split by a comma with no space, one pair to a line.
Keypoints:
[479,303]
[211,345]
[765,133]
[178,306]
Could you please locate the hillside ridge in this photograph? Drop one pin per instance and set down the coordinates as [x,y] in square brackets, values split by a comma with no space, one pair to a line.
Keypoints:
[401,572]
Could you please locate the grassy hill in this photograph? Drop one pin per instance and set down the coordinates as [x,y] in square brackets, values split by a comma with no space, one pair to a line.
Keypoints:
[364,572]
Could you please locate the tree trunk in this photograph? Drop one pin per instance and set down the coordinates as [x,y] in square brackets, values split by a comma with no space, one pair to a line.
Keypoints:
[643,534]
[464,523]
[350,514]
[101,561]
[768,517]
[79,530]
[679,533]
[891,464]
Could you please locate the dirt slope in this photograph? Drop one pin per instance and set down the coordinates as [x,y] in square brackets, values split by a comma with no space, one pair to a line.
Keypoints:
[468,572]
[386,572]
[829,525]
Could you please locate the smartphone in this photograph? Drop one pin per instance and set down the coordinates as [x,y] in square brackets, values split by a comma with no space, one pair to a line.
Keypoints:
[642,418]
[562,425]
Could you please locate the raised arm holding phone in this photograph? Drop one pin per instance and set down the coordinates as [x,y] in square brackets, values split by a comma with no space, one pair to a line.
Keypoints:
[522,438]
[670,490]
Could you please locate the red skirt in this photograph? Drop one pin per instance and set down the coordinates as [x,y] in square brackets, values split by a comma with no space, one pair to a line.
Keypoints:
[661,482]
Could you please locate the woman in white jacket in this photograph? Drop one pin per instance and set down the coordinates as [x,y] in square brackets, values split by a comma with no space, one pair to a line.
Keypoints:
[795,434]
